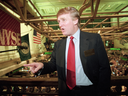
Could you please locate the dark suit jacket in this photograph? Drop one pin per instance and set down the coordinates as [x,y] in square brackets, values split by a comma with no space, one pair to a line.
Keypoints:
[94,61]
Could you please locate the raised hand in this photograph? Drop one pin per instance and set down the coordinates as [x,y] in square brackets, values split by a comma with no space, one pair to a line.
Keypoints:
[35,66]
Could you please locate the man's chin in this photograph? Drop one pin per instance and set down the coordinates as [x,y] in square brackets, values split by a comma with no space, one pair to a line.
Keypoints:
[65,34]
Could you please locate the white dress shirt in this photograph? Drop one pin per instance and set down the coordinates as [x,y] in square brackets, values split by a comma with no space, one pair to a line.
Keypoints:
[81,78]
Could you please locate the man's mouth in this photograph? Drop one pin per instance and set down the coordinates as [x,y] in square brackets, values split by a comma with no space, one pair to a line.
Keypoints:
[62,29]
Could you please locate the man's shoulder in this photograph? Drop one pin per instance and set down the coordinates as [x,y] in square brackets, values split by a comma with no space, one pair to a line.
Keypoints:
[88,34]
[61,40]
[84,32]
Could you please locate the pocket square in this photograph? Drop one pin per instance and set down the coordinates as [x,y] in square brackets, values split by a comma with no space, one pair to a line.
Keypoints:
[89,52]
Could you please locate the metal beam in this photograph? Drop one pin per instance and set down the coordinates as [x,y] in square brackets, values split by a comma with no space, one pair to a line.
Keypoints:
[19,10]
[92,8]
[113,14]
[5,10]
[82,18]
[89,13]
[96,8]
[85,24]
[114,29]
[25,9]
[35,8]
[101,13]
[103,16]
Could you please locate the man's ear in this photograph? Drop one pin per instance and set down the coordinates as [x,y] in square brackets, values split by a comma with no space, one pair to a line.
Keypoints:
[75,21]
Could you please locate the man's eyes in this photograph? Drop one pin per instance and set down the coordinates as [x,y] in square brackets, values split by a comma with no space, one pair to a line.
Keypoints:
[58,21]
[63,19]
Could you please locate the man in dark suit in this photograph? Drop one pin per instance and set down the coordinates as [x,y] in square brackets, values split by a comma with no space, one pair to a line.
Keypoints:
[92,69]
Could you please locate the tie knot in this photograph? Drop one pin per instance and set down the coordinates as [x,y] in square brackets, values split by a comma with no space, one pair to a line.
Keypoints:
[71,37]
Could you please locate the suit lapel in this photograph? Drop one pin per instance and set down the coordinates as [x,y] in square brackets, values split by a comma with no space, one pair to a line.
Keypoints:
[84,45]
[61,57]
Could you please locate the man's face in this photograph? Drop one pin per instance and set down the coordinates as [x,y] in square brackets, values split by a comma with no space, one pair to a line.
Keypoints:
[66,24]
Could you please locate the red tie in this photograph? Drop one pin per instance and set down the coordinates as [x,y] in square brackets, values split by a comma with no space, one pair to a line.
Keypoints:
[71,75]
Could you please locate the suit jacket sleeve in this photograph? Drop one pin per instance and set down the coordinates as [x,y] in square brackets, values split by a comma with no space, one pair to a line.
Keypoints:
[51,65]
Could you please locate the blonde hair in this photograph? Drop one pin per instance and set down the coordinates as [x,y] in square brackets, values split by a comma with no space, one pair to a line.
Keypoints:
[73,12]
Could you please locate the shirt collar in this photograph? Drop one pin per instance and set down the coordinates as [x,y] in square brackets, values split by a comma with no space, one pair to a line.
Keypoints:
[76,35]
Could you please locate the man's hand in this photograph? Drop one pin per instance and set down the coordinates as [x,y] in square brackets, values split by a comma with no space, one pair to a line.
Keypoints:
[35,66]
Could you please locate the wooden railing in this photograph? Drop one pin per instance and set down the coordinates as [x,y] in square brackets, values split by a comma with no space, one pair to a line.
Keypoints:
[49,86]
[29,86]
[117,83]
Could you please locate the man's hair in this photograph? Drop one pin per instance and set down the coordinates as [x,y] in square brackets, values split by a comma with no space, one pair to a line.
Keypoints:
[73,12]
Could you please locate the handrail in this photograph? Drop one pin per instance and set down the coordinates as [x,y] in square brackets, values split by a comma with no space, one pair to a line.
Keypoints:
[49,86]
[29,86]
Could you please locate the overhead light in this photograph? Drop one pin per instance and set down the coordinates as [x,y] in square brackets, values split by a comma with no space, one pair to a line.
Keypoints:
[99,31]
[41,54]
[103,26]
